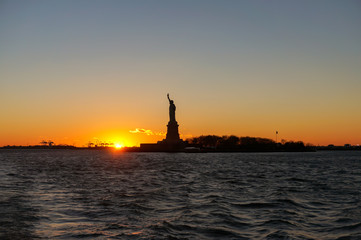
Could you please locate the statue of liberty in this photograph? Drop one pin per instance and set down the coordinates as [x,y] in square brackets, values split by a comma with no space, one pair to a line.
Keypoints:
[172,141]
[171,110]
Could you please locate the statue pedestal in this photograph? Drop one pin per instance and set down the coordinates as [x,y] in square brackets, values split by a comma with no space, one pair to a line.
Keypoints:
[172,142]
[172,132]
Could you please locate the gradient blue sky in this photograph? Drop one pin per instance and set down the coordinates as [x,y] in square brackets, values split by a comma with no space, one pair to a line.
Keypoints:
[73,71]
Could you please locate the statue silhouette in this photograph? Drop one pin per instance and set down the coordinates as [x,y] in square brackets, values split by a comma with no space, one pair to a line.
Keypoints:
[172,127]
[172,142]
[171,110]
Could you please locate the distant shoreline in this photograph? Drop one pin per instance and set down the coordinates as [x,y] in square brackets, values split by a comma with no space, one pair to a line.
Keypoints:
[200,150]
[201,144]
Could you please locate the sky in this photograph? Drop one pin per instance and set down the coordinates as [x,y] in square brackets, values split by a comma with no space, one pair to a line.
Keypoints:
[91,70]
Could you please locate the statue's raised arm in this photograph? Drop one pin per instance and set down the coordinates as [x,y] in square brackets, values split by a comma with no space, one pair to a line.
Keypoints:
[168,97]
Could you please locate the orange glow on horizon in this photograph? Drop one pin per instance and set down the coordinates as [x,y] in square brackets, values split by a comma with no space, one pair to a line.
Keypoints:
[119,139]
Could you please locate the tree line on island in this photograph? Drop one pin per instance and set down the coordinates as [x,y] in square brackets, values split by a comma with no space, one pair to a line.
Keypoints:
[246,144]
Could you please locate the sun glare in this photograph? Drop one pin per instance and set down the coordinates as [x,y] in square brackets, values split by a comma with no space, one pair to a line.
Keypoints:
[117,145]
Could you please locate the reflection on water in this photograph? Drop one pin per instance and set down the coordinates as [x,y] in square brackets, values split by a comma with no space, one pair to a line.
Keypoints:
[70,194]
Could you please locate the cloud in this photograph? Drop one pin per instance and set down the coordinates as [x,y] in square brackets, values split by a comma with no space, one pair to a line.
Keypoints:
[146,131]
[186,136]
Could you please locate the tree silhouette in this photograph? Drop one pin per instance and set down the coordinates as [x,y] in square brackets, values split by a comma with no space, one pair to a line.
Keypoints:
[245,144]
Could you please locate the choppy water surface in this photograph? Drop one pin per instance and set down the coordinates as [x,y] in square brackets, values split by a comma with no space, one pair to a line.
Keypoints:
[64,194]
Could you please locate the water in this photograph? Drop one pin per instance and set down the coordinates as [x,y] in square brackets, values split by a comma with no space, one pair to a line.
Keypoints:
[70,194]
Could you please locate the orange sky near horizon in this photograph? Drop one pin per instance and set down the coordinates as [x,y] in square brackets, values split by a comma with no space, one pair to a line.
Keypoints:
[74,72]
[318,130]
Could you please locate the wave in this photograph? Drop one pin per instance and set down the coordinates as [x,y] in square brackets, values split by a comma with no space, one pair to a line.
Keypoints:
[253,205]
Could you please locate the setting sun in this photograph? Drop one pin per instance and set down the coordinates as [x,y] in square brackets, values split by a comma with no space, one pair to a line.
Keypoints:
[117,145]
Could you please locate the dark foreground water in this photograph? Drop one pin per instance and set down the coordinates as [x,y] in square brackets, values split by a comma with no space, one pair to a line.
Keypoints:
[67,194]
